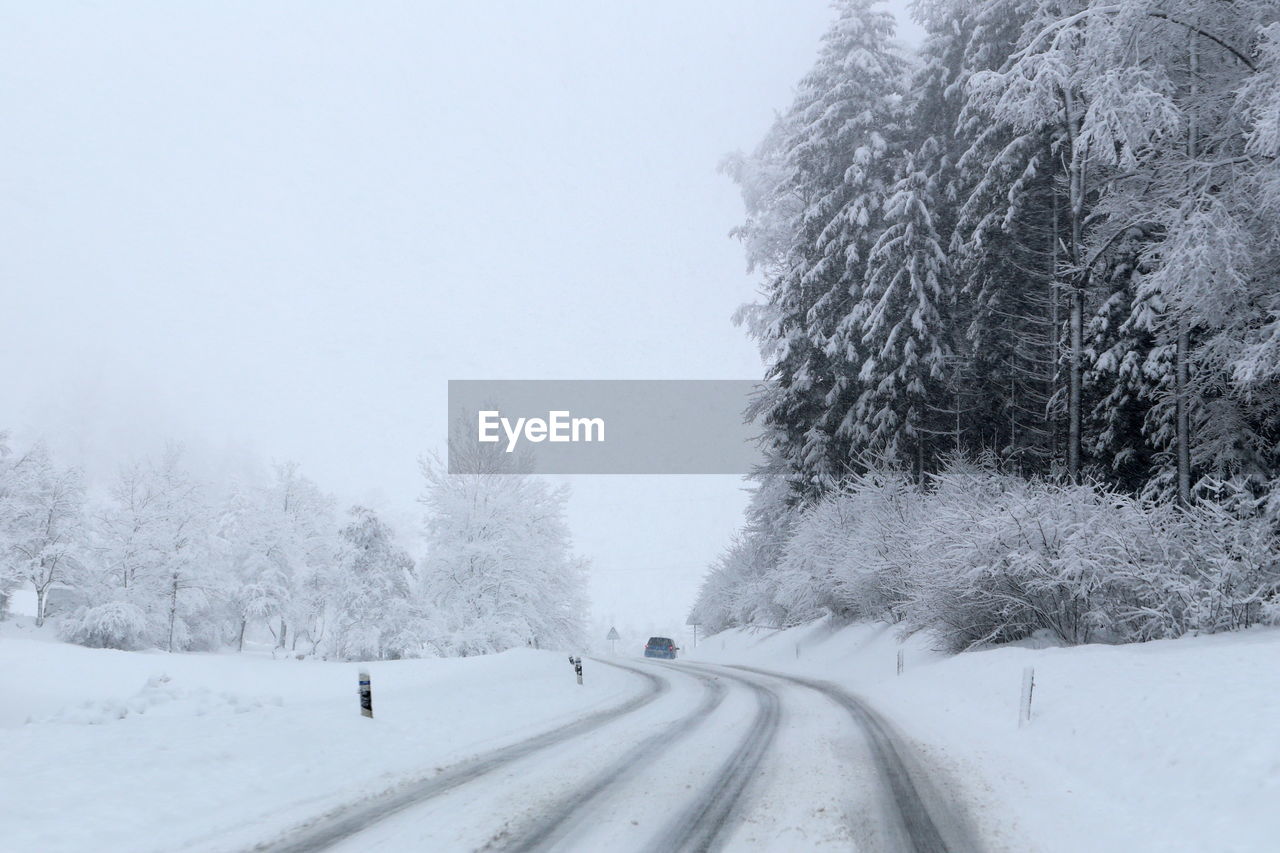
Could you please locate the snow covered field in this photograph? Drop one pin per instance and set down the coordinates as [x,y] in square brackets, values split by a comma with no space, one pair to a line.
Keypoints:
[133,751]
[1160,746]
[1169,745]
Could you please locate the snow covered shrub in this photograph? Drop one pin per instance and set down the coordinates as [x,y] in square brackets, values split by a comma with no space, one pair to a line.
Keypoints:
[980,555]
[711,609]
[1236,583]
[1005,557]
[406,631]
[965,585]
[114,625]
[736,591]
[356,642]
[849,553]
[1014,556]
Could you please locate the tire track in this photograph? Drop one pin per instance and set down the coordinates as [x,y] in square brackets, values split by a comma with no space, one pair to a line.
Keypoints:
[572,809]
[700,827]
[347,820]
[931,824]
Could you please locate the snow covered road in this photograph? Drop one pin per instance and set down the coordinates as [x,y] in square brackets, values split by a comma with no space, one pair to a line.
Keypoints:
[128,752]
[343,822]
[226,754]
[704,758]
[924,819]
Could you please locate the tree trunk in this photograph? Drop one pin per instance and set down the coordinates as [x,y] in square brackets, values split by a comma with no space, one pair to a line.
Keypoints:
[1075,203]
[240,643]
[1182,420]
[284,633]
[1182,350]
[42,594]
[1074,400]
[173,609]
[1055,320]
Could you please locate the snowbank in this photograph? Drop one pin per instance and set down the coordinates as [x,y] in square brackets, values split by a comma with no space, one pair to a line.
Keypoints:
[126,751]
[1168,745]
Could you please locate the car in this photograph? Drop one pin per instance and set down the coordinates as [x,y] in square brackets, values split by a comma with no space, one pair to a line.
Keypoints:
[660,647]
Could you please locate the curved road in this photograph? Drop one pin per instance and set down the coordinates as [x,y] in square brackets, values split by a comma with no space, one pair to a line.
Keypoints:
[336,825]
[704,775]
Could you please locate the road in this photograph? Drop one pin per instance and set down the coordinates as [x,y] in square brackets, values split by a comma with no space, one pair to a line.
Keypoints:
[699,758]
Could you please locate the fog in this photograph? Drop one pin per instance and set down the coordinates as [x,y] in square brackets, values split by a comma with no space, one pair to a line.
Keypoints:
[275,231]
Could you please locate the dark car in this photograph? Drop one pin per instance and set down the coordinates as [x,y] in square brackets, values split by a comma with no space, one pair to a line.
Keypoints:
[660,647]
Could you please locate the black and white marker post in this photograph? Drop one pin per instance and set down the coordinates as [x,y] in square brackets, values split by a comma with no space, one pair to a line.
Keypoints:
[577,666]
[366,695]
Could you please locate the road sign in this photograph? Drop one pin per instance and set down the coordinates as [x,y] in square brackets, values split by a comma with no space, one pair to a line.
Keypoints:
[613,637]
[692,620]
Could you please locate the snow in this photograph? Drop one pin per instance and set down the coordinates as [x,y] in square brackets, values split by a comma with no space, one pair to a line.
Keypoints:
[129,751]
[1169,745]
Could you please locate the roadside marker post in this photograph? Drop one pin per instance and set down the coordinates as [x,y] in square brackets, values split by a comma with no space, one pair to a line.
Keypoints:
[577,666]
[366,694]
[1028,685]
[899,661]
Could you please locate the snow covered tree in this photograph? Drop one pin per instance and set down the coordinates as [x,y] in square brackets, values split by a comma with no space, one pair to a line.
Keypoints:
[814,191]
[1059,252]
[42,516]
[377,614]
[499,568]
[740,588]
[150,581]
[8,579]
[279,542]
[904,336]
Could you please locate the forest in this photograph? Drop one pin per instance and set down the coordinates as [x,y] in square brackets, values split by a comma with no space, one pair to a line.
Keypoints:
[158,559]
[1020,311]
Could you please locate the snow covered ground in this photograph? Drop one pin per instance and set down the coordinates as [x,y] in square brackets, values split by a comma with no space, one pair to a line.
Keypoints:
[133,752]
[1169,746]
[1162,746]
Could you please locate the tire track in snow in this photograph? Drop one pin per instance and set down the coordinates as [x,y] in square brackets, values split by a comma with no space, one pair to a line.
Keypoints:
[930,823]
[551,829]
[700,827]
[345,821]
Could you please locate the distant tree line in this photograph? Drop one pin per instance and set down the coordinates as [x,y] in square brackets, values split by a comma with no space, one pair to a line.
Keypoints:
[1048,246]
[157,559]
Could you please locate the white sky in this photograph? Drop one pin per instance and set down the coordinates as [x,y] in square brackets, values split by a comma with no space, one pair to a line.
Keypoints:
[277,230]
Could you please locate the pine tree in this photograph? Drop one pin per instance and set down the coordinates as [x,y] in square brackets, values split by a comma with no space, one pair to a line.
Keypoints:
[830,174]
[903,333]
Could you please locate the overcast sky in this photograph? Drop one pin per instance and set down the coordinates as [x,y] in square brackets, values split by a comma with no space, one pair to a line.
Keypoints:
[276,230]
